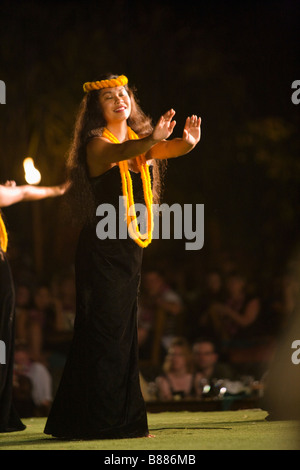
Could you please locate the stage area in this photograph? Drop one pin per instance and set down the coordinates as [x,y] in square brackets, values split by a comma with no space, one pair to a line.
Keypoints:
[218,430]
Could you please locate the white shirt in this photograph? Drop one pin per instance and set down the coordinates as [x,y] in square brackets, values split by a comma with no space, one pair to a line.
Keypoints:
[41,383]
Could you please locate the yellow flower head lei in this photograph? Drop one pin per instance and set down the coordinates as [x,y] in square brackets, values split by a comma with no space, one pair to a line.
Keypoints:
[112,83]
[142,240]
[3,235]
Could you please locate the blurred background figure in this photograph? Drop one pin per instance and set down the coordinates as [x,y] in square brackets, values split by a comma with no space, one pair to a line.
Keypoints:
[179,380]
[240,310]
[282,381]
[160,316]
[32,385]
[206,361]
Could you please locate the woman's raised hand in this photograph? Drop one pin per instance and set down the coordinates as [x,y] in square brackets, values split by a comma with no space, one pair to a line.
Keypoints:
[192,132]
[165,126]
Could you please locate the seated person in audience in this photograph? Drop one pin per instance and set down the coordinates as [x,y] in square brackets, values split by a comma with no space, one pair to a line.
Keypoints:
[39,377]
[206,361]
[158,298]
[237,315]
[179,380]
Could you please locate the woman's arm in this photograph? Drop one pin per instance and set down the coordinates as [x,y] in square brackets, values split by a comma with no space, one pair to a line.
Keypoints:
[12,194]
[101,153]
[248,317]
[177,147]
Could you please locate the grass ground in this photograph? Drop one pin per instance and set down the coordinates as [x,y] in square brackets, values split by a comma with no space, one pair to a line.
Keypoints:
[226,430]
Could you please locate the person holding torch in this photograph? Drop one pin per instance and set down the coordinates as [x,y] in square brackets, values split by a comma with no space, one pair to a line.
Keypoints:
[11,193]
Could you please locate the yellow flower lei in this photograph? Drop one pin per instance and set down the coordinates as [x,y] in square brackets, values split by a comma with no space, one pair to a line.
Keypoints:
[142,240]
[3,235]
[113,82]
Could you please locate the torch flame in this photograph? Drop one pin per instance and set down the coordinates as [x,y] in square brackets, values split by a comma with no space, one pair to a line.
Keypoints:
[32,175]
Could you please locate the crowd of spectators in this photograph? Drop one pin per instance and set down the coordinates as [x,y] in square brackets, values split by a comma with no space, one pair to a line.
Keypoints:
[221,329]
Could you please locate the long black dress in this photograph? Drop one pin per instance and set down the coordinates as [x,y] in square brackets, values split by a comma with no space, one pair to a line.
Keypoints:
[99,395]
[9,419]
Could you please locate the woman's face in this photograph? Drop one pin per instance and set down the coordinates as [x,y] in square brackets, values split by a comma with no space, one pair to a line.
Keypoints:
[115,103]
[177,358]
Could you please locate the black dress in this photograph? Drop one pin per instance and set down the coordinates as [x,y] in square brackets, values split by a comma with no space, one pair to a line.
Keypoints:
[99,395]
[9,419]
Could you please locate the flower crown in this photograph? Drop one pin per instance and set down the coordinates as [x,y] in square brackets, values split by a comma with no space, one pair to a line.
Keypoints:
[112,83]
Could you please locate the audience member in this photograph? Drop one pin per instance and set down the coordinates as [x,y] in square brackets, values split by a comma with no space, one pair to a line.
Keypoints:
[160,312]
[179,380]
[34,378]
[225,312]
[233,318]
[206,361]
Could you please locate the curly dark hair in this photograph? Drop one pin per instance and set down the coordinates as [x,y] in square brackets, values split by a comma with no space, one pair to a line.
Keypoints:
[89,123]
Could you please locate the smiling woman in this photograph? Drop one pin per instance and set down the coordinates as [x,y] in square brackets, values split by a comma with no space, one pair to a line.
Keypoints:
[99,395]
[87,136]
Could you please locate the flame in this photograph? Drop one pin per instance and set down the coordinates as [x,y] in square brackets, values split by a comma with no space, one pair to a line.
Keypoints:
[32,175]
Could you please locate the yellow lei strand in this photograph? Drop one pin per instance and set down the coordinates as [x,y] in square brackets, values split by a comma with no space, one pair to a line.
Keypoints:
[142,240]
[3,235]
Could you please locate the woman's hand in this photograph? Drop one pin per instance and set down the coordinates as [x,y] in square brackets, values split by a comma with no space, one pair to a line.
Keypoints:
[173,148]
[191,132]
[165,126]
[63,188]
[10,183]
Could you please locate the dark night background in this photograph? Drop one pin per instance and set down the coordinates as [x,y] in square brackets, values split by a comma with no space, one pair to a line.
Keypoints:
[232,63]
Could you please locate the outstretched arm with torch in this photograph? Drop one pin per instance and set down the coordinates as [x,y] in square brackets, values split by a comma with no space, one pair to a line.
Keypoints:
[10,193]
